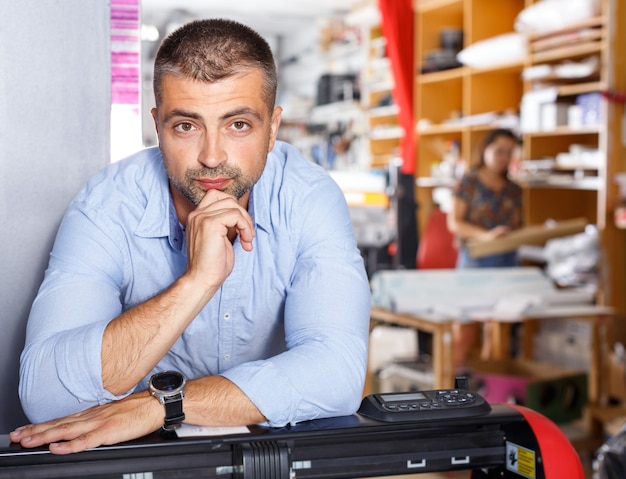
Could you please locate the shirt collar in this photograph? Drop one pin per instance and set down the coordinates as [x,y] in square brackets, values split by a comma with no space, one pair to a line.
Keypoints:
[159,219]
[260,196]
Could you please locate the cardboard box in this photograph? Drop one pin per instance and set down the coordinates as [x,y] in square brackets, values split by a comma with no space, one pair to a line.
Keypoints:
[558,393]
[531,235]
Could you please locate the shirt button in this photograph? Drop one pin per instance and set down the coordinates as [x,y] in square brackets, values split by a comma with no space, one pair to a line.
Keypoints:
[227,316]
[227,356]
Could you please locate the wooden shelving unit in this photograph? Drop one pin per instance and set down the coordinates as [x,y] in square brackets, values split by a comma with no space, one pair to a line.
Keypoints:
[604,39]
[371,120]
[446,101]
[384,131]
[442,98]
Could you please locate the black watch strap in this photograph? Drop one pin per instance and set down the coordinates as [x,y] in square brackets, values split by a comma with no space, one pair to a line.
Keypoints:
[174,414]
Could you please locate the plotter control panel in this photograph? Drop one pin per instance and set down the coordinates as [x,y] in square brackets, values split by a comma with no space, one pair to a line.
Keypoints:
[424,405]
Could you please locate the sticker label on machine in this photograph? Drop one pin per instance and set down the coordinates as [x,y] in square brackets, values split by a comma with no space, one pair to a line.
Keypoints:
[520,460]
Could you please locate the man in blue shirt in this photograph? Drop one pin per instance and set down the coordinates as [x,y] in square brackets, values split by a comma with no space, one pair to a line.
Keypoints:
[222,255]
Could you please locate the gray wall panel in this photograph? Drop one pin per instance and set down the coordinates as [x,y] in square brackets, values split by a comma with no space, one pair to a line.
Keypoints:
[54,134]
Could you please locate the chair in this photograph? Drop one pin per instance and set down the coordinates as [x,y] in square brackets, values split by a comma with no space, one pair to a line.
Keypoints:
[436,249]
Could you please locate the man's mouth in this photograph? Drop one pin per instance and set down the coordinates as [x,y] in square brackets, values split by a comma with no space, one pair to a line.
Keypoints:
[213,183]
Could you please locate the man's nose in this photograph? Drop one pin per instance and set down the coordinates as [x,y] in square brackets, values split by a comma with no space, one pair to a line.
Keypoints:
[212,152]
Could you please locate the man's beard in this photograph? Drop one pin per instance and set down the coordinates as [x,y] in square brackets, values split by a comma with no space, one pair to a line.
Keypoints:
[239,185]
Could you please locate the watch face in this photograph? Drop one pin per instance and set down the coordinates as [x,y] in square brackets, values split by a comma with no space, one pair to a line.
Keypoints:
[168,381]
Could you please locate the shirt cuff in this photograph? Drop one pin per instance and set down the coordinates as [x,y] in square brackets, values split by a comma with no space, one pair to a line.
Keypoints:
[85,382]
[270,390]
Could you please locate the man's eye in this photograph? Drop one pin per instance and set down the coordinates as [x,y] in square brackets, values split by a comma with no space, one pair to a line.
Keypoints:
[240,125]
[185,126]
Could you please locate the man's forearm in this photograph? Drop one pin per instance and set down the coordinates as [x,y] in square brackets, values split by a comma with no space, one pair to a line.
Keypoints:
[210,401]
[216,401]
[135,342]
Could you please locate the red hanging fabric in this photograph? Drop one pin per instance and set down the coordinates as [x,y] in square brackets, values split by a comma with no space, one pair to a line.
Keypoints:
[397,26]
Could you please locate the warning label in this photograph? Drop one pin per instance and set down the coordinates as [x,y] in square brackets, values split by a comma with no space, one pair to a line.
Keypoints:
[520,460]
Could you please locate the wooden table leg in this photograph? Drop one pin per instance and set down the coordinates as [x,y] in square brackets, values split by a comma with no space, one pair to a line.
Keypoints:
[499,333]
[443,357]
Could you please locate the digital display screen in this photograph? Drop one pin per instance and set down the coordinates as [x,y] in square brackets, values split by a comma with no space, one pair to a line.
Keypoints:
[168,381]
[403,397]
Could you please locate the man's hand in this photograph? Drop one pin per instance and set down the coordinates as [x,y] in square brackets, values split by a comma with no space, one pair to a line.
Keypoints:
[211,231]
[209,401]
[129,418]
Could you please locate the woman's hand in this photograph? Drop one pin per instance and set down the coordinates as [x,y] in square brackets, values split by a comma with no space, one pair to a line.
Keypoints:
[494,233]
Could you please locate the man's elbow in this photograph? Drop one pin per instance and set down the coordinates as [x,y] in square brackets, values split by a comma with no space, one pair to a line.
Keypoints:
[43,400]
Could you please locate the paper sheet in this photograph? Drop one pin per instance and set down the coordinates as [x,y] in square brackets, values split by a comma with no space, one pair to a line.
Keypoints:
[191,430]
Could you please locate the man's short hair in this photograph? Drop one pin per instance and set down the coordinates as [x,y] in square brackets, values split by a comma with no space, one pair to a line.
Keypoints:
[213,49]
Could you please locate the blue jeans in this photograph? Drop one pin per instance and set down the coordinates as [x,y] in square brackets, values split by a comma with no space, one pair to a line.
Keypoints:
[503,260]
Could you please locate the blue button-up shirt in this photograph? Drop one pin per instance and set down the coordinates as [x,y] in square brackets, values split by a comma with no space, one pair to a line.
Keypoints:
[289,325]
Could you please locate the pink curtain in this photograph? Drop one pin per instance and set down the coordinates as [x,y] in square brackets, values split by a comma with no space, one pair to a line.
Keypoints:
[397,26]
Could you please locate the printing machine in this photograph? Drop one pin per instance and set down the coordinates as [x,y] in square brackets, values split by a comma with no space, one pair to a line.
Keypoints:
[388,436]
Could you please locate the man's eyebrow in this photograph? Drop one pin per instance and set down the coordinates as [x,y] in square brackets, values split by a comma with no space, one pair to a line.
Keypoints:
[242,111]
[179,112]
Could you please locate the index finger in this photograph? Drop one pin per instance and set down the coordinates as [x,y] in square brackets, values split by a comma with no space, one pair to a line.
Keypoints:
[215,201]
[213,196]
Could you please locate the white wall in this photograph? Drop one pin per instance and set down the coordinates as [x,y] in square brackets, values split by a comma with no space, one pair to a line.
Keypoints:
[54,133]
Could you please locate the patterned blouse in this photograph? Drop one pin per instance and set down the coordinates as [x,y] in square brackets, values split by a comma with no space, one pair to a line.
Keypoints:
[487,208]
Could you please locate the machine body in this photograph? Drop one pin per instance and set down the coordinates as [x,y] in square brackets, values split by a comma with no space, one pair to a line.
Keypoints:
[506,442]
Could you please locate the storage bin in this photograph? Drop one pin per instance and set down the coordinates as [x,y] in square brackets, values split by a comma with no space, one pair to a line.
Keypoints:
[558,393]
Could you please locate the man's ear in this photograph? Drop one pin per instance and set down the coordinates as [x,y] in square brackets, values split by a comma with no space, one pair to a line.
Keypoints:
[274,125]
[156,122]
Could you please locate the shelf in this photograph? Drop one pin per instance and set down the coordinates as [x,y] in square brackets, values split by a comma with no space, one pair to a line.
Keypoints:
[342,110]
[427,182]
[385,133]
[441,129]
[552,42]
[383,111]
[424,6]
[567,52]
[444,75]
[514,67]
[456,128]
[581,88]
[459,72]
[566,131]
[381,87]
[591,183]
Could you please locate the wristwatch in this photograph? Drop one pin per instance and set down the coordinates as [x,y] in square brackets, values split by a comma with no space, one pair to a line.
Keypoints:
[169,388]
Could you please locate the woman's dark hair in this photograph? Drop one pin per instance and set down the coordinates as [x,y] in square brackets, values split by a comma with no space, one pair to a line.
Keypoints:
[212,49]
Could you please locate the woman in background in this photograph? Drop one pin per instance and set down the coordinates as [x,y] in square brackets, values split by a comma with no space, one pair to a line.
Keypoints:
[486,205]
